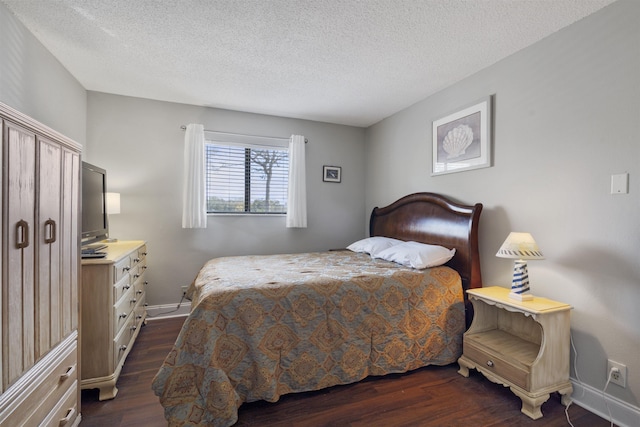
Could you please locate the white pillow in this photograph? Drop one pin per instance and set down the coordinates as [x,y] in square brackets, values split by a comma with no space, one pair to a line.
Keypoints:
[417,255]
[373,245]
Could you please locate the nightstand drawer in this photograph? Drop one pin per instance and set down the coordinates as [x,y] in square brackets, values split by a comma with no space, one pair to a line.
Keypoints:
[493,363]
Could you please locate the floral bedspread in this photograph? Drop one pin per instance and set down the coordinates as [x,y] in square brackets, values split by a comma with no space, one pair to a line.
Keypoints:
[264,326]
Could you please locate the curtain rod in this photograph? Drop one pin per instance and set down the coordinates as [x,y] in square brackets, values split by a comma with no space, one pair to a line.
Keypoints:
[183,127]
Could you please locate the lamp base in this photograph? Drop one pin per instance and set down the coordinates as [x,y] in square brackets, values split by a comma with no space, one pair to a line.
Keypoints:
[520,282]
[520,297]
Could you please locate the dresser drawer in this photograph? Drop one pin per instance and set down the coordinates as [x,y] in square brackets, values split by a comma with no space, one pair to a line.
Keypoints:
[136,272]
[494,363]
[121,268]
[122,344]
[139,286]
[140,313]
[122,309]
[121,287]
[142,253]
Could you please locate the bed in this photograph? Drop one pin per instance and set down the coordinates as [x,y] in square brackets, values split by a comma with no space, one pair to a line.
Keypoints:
[264,326]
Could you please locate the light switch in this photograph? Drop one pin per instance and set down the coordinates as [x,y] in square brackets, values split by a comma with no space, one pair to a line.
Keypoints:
[620,183]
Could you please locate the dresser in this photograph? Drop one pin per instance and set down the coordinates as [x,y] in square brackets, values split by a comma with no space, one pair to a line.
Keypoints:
[523,345]
[113,311]
[40,259]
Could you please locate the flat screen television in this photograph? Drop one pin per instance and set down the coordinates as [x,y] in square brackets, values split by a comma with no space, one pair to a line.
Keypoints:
[95,223]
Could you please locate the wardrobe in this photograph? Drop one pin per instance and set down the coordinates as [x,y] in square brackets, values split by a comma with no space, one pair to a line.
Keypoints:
[40,260]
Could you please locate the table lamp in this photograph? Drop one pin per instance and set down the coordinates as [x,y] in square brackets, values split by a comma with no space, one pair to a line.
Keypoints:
[113,203]
[521,247]
[113,208]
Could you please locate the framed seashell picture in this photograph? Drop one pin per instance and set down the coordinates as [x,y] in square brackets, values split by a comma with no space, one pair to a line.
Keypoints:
[462,140]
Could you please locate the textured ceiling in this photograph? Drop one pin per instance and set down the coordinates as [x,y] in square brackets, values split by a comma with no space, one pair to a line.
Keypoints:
[341,61]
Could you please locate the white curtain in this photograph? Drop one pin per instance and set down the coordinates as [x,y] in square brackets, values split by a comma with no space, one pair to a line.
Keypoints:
[194,209]
[297,196]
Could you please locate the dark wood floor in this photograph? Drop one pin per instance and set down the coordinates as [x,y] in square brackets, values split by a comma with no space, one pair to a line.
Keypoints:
[431,396]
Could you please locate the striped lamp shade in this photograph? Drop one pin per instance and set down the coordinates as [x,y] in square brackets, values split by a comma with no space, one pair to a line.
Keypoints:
[520,246]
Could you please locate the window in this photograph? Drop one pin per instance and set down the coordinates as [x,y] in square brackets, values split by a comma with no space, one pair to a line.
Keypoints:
[243,178]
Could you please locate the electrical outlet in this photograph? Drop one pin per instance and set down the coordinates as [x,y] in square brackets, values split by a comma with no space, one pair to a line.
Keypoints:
[184,290]
[619,375]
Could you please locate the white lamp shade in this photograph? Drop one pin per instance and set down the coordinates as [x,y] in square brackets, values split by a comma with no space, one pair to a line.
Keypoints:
[113,203]
[520,246]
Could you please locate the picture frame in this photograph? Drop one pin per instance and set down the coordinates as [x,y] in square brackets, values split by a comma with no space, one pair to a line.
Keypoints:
[331,173]
[462,140]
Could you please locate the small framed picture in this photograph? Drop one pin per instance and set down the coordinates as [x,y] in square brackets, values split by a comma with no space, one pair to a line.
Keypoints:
[331,173]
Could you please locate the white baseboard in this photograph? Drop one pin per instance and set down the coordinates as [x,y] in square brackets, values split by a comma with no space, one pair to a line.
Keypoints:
[608,407]
[168,310]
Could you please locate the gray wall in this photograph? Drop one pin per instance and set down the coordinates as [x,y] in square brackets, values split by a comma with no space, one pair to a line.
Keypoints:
[33,81]
[567,117]
[140,143]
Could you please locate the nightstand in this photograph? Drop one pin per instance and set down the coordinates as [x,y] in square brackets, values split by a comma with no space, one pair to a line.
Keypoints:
[523,345]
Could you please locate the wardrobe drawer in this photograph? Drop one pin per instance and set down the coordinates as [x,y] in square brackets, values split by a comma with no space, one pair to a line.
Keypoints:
[496,364]
[65,413]
[48,381]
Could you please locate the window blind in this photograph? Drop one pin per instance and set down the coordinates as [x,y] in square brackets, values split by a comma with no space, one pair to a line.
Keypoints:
[245,177]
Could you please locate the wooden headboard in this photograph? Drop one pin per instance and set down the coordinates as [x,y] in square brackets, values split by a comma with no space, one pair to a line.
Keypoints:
[433,219]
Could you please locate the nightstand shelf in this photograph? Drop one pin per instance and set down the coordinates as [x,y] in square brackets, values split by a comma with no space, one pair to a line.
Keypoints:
[523,345]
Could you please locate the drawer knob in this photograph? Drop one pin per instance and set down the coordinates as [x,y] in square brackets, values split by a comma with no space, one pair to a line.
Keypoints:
[70,370]
[133,301]
[70,413]
[139,292]
[136,276]
[123,347]
[136,260]
[122,315]
[125,287]
[490,363]
[127,268]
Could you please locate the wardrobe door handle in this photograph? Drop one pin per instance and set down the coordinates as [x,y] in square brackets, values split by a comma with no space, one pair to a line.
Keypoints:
[22,234]
[50,226]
